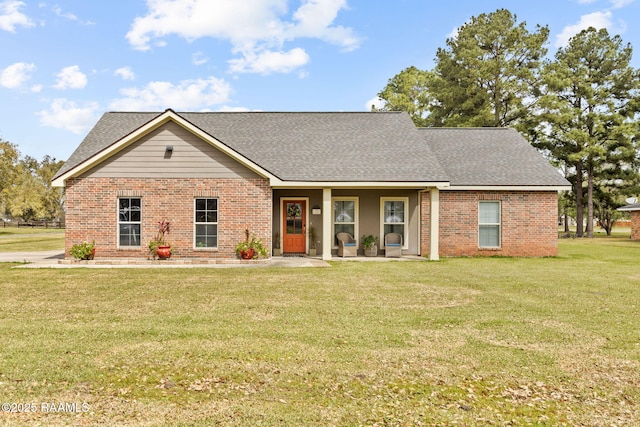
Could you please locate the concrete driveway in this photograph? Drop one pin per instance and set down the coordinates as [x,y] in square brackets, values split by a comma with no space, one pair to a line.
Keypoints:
[42,257]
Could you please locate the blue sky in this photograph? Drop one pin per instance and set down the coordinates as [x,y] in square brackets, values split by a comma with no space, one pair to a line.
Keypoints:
[64,63]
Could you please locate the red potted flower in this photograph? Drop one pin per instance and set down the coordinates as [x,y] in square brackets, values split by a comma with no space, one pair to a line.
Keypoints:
[251,248]
[159,247]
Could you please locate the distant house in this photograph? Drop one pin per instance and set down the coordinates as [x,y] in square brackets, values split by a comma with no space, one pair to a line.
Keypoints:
[634,211]
[448,192]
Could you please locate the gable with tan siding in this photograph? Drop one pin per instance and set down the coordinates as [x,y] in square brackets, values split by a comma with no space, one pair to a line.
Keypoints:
[191,158]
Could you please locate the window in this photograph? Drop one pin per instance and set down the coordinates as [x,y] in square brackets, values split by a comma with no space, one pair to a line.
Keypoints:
[345,217]
[129,214]
[395,217]
[206,221]
[489,224]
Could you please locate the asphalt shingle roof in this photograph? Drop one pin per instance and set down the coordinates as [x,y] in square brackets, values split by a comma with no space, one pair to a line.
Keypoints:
[326,146]
[351,147]
[490,157]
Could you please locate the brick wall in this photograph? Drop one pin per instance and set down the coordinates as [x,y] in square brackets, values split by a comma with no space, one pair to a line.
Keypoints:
[92,212]
[528,227]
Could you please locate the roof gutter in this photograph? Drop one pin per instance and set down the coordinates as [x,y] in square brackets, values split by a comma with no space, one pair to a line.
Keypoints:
[277,183]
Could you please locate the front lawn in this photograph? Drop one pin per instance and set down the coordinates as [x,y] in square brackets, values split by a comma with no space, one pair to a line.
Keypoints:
[30,239]
[463,341]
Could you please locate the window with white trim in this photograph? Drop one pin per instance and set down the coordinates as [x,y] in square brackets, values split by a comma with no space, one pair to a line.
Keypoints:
[489,224]
[129,221]
[206,223]
[345,217]
[394,212]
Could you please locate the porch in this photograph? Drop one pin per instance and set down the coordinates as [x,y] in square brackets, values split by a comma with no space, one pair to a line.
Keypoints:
[306,221]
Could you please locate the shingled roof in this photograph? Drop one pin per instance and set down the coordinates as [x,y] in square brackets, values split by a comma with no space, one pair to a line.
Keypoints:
[490,157]
[630,208]
[350,147]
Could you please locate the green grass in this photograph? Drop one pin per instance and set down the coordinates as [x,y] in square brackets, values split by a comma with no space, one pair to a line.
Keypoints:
[27,239]
[463,341]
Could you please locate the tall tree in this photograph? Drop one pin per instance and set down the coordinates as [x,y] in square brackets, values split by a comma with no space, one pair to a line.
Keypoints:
[24,196]
[488,72]
[9,156]
[25,185]
[589,107]
[53,198]
[408,91]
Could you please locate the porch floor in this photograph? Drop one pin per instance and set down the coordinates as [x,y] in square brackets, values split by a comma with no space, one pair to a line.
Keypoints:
[378,258]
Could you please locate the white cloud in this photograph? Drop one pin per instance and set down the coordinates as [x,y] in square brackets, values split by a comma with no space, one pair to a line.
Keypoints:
[71,78]
[68,115]
[617,4]
[187,95]
[376,102]
[126,73]
[15,75]
[199,58]
[240,22]
[269,61]
[597,20]
[11,17]
[314,19]
[70,16]
[256,29]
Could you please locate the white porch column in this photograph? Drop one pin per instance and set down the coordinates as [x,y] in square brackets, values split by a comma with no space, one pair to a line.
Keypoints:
[434,231]
[327,238]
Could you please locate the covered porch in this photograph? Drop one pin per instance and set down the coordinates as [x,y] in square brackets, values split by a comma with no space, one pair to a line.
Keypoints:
[306,221]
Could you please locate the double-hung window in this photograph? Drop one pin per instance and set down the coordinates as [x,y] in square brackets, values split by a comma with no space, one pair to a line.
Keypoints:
[489,224]
[129,215]
[345,217]
[394,212]
[206,223]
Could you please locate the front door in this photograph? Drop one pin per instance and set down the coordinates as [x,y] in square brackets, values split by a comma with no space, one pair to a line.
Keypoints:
[295,226]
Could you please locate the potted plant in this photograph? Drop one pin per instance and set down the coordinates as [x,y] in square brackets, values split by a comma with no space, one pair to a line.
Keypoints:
[158,246]
[369,244]
[276,245]
[313,241]
[83,251]
[251,248]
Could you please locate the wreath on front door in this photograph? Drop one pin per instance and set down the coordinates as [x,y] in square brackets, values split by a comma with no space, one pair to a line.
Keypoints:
[294,210]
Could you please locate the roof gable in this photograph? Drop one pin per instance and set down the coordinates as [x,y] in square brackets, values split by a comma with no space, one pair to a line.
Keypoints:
[190,157]
[116,131]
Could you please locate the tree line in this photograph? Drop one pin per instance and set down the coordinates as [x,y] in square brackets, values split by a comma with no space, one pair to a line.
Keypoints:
[579,107]
[26,192]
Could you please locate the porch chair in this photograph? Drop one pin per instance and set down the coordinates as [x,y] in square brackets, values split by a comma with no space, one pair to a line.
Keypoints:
[347,245]
[393,245]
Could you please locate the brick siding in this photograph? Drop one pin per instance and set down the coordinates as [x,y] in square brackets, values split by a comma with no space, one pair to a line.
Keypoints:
[528,223]
[635,225]
[92,213]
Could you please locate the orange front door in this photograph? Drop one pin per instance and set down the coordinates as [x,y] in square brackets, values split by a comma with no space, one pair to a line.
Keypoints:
[295,226]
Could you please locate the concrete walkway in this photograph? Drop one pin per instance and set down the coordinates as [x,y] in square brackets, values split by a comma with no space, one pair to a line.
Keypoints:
[54,259]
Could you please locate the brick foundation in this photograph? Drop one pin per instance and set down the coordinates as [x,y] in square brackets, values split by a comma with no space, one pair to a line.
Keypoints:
[528,228]
[92,213]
